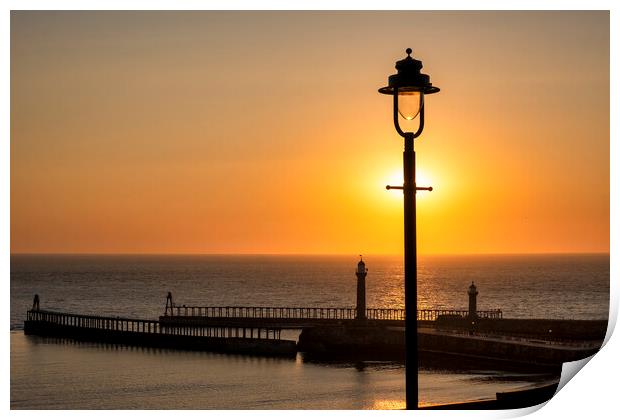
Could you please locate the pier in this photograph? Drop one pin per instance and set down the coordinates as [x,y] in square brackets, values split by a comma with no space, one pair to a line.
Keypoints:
[332,333]
[151,333]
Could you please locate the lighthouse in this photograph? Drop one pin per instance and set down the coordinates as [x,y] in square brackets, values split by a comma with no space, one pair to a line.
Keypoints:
[361,289]
[473,293]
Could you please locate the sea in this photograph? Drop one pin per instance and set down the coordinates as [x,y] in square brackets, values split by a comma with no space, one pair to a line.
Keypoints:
[48,373]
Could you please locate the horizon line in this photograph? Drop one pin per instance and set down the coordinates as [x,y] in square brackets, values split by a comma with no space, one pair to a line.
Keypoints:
[304,254]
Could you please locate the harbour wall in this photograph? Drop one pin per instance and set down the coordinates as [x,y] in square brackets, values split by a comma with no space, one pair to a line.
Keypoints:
[554,329]
[386,343]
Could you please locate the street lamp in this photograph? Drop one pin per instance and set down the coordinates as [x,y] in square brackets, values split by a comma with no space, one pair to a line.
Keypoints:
[408,88]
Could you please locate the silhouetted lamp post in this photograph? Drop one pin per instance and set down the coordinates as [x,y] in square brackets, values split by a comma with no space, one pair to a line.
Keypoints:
[408,88]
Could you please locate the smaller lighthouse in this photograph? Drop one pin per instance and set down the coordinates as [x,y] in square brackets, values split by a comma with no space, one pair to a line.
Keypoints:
[473,293]
[361,289]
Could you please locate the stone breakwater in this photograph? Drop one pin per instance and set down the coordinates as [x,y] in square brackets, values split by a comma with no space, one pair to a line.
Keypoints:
[532,342]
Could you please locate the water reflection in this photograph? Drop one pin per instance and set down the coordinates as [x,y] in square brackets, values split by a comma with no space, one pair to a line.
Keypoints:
[398,404]
[76,375]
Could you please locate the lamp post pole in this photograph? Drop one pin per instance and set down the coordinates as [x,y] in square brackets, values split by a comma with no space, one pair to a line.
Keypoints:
[412,85]
[411,275]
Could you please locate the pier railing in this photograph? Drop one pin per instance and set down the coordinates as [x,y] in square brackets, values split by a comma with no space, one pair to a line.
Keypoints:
[130,325]
[263,312]
[433,314]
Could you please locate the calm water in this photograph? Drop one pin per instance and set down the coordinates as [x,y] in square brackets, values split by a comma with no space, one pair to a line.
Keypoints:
[78,375]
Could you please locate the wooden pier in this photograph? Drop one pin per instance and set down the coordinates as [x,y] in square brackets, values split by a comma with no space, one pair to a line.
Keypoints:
[151,333]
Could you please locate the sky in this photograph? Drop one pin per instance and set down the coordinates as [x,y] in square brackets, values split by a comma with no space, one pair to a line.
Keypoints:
[263,132]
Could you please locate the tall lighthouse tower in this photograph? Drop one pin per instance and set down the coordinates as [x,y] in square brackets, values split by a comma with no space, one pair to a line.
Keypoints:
[473,294]
[361,289]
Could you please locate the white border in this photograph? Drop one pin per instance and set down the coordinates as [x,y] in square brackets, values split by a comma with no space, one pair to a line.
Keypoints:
[592,394]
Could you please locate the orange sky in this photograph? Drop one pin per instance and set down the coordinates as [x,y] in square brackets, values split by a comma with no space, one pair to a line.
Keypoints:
[263,132]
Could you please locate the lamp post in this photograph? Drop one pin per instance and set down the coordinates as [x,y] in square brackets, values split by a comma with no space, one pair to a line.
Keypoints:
[408,88]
